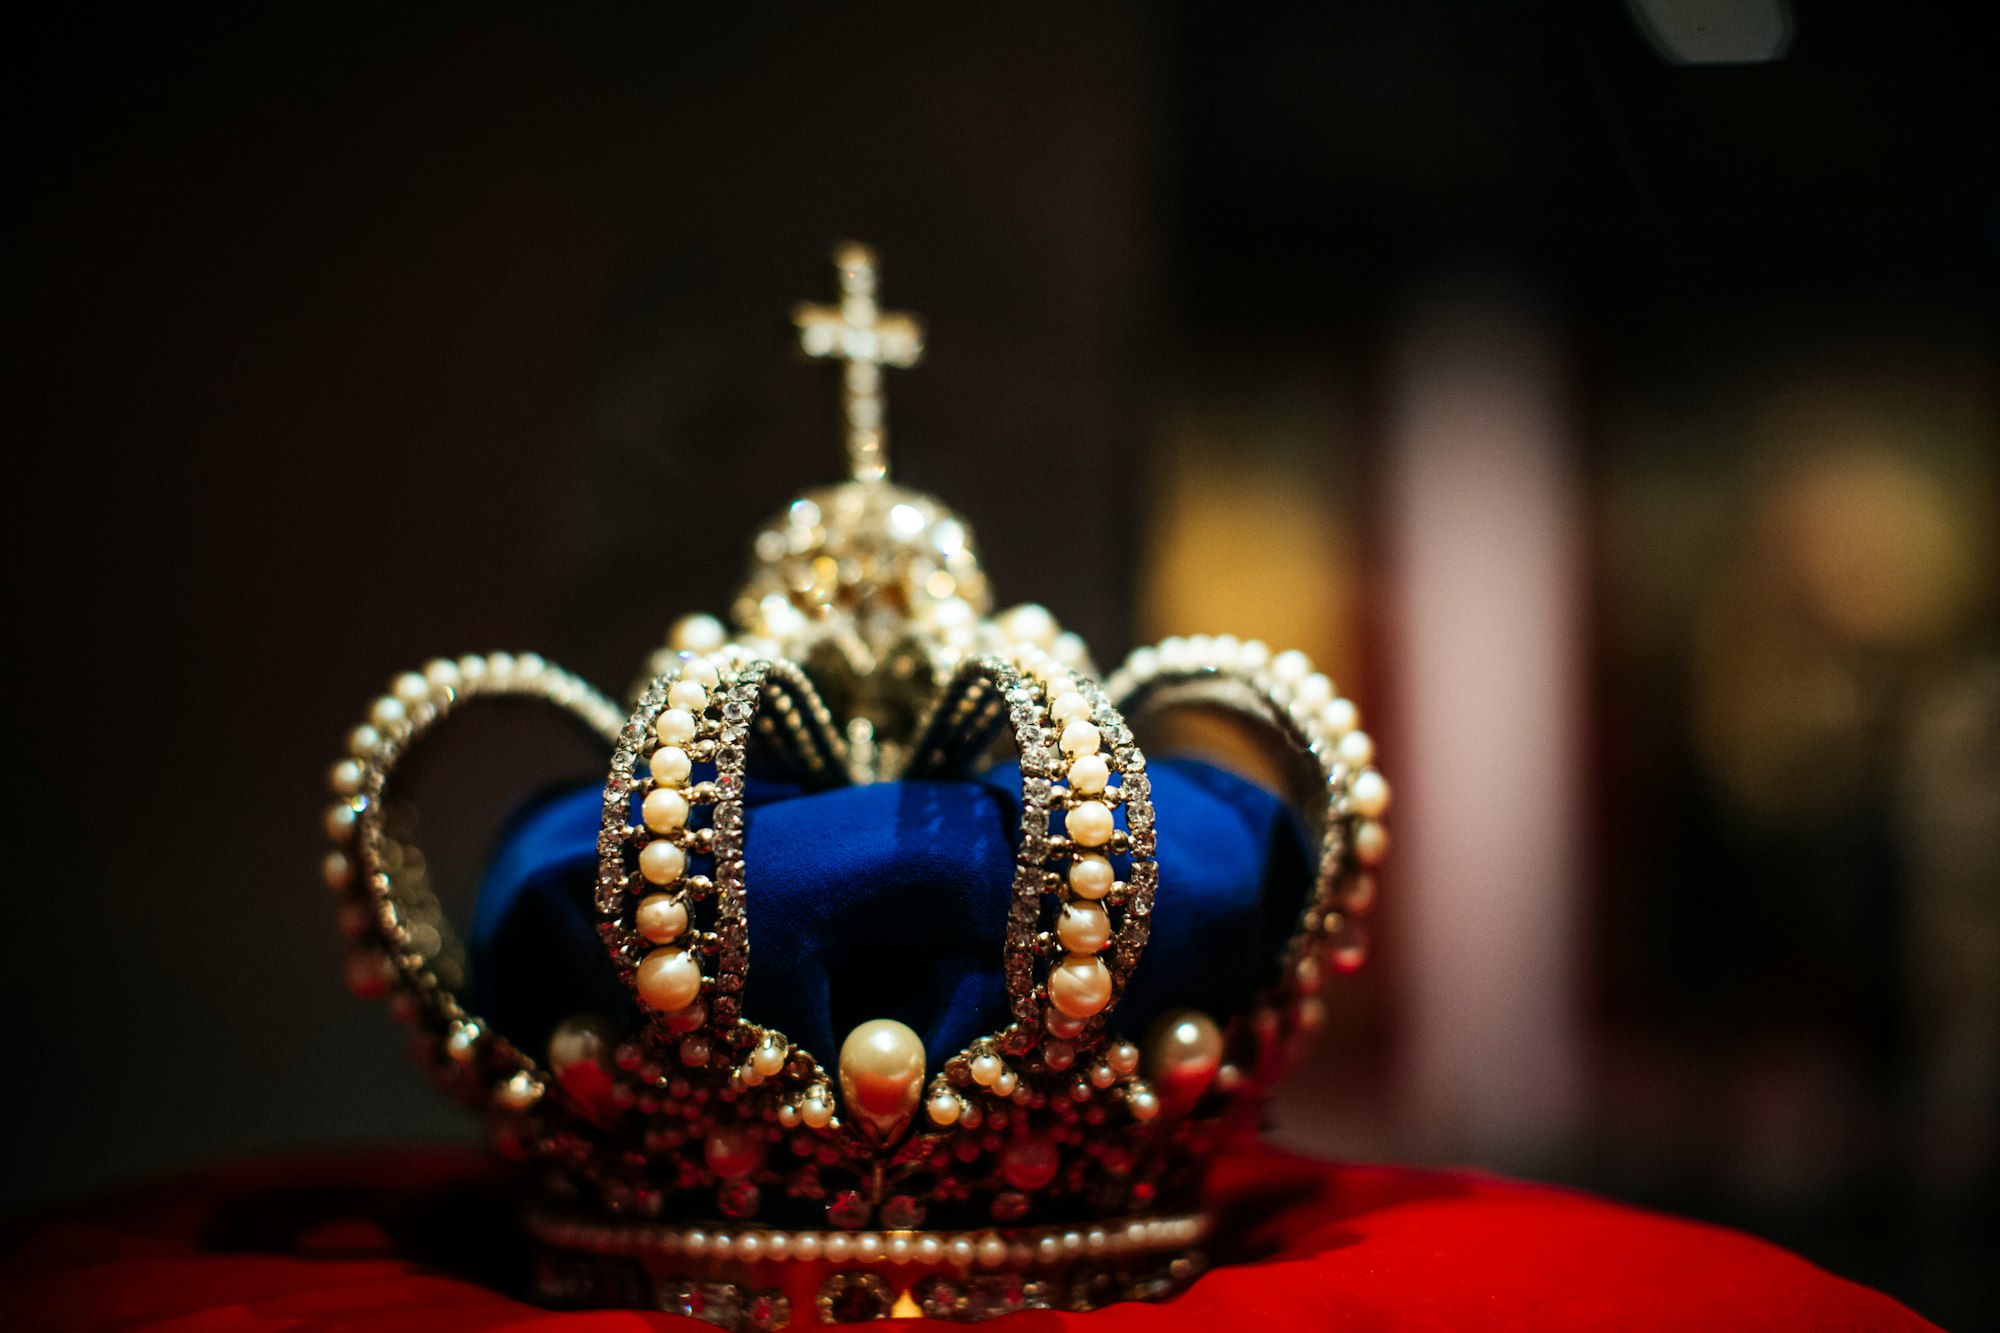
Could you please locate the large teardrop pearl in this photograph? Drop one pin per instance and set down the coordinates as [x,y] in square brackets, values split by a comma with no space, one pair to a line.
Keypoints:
[1183,1053]
[882,1076]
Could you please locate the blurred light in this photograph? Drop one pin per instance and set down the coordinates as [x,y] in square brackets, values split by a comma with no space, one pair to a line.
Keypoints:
[1715,32]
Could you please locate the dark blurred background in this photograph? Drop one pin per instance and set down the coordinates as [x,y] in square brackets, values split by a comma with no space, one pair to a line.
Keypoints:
[1606,392]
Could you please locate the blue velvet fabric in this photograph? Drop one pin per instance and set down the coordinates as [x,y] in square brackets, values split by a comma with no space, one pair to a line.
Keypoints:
[890,901]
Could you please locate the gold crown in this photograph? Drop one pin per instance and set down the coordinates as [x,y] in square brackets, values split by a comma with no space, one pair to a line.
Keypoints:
[707,1164]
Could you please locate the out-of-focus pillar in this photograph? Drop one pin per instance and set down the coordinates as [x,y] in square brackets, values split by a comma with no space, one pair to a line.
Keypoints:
[1485,526]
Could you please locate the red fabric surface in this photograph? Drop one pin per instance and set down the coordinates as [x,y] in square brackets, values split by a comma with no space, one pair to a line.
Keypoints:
[423,1241]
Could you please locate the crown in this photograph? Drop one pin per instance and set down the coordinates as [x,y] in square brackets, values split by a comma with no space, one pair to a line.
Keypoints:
[678,1150]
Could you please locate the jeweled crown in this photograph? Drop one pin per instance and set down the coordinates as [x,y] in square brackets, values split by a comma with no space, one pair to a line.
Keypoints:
[696,1160]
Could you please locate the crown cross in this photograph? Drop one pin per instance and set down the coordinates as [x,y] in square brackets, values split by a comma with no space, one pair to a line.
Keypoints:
[867,338]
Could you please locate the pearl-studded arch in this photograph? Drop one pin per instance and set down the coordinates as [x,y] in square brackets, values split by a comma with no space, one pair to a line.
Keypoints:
[1072,745]
[1341,794]
[402,944]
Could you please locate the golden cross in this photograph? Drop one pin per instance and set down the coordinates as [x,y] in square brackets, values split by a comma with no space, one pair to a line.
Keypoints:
[867,339]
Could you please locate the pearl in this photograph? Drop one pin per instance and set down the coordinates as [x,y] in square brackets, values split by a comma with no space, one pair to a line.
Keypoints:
[1123,1057]
[836,1248]
[1028,623]
[520,1092]
[662,918]
[340,819]
[695,1242]
[580,1056]
[1089,824]
[1004,1085]
[1060,1025]
[701,671]
[1340,717]
[674,727]
[364,740]
[788,1115]
[1183,1053]
[944,1108]
[1070,707]
[698,633]
[345,777]
[388,713]
[992,1251]
[441,674]
[986,1068]
[929,1249]
[806,1246]
[898,1249]
[1142,1104]
[669,979]
[1091,876]
[882,1075]
[1313,693]
[665,810]
[1080,986]
[1102,1077]
[733,1150]
[1369,792]
[1253,654]
[1371,842]
[1088,775]
[1058,1054]
[1357,749]
[961,1251]
[867,1247]
[768,1058]
[337,870]
[694,1051]
[1083,927]
[411,688]
[690,695]
[749,1245]
[1080,737]
[671,766]
[661,862]
[1291,666]
[1030,1161]
[816,1112]
[778,1244]
[1144,663]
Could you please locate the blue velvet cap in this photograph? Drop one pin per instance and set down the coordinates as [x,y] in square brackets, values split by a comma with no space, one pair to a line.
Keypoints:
[890,901]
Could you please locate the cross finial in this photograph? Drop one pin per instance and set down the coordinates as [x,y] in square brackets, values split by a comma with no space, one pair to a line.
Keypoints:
[867,339]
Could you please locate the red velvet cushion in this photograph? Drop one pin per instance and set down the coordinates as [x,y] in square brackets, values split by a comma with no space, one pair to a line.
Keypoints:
[419,1240]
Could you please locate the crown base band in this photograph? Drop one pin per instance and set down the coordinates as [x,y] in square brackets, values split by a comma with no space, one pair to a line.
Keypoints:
[788,1280]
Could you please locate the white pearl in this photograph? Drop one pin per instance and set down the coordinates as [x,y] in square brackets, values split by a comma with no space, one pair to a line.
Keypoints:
[1142,1104]
[867,1247]
[661,918]
[1183,1053]
[1340,717]
[1089,774]
[1313,693]
[778,1244]
[671,765]
[836,1248]
[1144,663]
[346,777]
[669,979]
[929,1249]
[986,1068]
[702,672]
[944,1108]
[788,1115]
[992,1251]
[1080,737]
[411,688]
[661,862]
[388,713]
[1123,1058]
[1173,651]
[960,1250]
[1069,707]
[337,870]
[689,694]
[882,1075]
[806,1245]
[1371,842]
[816,1112]
[1029,623]
[1091,876]
[898,1249]
[1089,824]
[340,820]
[1004,1085]
[364,740]
[749,1245]
[1357,749]
[1290,666]
[665,810]
[675,727]
[442,674]
[1253,655]
[768,1058]
[1369,792]
[1083,927]
[698,633]
[1080,985]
